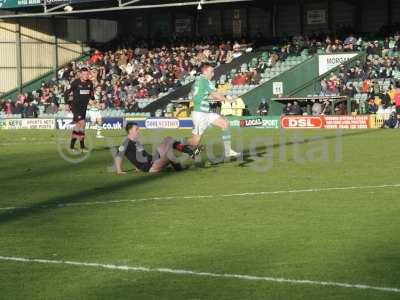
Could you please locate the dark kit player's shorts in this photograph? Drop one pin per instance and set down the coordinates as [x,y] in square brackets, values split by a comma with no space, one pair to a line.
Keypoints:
[79,114]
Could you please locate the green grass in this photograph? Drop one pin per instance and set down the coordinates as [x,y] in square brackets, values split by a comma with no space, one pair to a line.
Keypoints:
[349,236]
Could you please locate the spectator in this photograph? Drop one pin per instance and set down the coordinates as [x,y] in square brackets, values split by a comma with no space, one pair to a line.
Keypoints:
[326,108]
[9,107]
[255,77]
[287,109]
[296,109]
[19,105]
[391,122]
[131,106]
[372,107]
[263,108]
[97,57]
[397,99]
[349,91]
[52,108]
[316,108]
[240,79]
[350,43]
[30,110]
[341,109]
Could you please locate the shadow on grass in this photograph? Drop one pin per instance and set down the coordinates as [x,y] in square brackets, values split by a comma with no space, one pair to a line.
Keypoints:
[76,197]
[83,195]
[260,151]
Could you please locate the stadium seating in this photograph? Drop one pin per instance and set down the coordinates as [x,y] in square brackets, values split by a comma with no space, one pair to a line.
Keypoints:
[227,87]
[152,73]
[373,81]
[164,60]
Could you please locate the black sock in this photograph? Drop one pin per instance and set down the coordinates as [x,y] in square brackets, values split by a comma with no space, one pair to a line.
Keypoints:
[82,143]
[73,141]
[177,166]
[183,148]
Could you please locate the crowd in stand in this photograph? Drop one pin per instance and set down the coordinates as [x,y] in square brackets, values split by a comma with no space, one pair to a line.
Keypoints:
[127,75]
[252,74]
[375,79]
[295,47]
[311,108]
[137,71]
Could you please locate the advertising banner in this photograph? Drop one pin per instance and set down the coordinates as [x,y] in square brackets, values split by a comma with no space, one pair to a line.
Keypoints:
[302,122]
[162,123]
[346,122]
[183,25]
[65,124]
[185,123]
[327,62]
[277,88]
[27,124]
[316,17]
[260,122]
[113,123]
[108,124]
[23,3]
[256,122]
[18,3]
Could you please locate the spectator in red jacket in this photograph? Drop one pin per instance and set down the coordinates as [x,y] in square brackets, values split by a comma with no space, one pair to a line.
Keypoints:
[9,107]
[142,93]
[240,79]
[96,57]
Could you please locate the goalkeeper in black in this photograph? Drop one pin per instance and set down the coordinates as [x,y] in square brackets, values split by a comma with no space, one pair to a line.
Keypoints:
[134,151]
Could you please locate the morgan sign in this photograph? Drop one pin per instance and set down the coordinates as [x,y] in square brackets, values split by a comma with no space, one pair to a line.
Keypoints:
[327,62]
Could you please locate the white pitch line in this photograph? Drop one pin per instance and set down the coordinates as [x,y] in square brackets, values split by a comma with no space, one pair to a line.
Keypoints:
[12,208]
[202,274]
[314,190]
[30,143]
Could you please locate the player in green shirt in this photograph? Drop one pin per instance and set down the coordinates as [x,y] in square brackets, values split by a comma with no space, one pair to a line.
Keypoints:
[203,90]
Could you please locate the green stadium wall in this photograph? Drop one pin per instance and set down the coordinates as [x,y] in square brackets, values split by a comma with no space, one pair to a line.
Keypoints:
[292,79]
[300,81]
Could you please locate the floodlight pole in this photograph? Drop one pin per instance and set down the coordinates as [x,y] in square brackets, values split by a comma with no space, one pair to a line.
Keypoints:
[19,56]
[55,48]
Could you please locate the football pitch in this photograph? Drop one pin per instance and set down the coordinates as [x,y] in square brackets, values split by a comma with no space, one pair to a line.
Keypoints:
[304,215]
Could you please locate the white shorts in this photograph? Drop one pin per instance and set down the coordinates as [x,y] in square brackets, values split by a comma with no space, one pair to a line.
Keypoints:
[202,120]
[94,116]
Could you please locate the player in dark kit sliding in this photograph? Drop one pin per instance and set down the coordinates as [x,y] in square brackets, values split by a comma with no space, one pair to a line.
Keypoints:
[82,91]
[134,151]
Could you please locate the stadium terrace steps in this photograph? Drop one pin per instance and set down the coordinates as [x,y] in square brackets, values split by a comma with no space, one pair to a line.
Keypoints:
[183,91]
[299,81]
[252,94]
[240,91]
[293,73]
[313,86]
